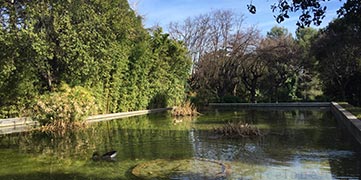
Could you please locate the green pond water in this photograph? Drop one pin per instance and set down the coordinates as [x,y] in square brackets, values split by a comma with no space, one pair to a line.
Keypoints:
[299,144]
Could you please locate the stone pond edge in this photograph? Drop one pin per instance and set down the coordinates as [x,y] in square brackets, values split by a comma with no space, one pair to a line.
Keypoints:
[352,124]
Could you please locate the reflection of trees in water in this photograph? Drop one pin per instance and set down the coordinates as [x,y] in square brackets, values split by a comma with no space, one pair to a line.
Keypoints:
[133,138]
[349,164]
[292,134]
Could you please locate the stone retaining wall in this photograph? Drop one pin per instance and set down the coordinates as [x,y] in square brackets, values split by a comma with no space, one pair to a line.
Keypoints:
[107,117]
[292,104]
[15,125]
[352,124]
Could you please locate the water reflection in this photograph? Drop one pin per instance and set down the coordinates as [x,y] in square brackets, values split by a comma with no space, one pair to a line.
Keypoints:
[299,144]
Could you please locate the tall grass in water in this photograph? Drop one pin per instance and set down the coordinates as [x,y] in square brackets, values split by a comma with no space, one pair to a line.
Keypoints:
[185,109]
[238,129]
[60,127]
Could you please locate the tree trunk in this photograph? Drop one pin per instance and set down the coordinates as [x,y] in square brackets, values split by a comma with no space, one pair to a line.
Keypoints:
[253,95]
[253,90]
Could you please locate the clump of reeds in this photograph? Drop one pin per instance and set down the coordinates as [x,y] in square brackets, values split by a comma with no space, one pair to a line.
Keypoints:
[238,129]
[62,127]
[185,109]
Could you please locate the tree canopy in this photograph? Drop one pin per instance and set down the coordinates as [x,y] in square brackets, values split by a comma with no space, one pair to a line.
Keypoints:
[233,63]
[99,45]
[100,48]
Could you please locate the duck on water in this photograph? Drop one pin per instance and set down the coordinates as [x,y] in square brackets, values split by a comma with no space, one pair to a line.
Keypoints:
[109,156]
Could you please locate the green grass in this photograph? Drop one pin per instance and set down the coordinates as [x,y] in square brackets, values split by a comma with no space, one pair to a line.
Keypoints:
[353,109]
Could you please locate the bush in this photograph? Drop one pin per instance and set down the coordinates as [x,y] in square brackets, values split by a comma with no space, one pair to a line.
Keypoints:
[68,105]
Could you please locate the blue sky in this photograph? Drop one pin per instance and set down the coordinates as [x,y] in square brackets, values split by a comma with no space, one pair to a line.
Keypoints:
[162,12]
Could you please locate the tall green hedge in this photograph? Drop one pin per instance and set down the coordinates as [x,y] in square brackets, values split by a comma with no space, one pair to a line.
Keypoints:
[99,45]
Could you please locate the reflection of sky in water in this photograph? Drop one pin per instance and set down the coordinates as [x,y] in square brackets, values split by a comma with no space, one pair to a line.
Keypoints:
[251,161]
[299,170]
[304,165]
[300,145]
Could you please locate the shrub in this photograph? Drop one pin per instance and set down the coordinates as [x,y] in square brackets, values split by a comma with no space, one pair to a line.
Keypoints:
[68,105]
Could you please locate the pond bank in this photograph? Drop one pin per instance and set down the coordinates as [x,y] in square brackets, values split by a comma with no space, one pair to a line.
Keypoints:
[292,104]
[350,121]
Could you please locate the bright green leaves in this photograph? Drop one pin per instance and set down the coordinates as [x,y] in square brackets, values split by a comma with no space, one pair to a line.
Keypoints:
[99,45]
[66,105]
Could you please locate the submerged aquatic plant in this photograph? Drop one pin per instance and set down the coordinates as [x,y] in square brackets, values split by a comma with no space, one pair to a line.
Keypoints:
[185,109]
[238,129]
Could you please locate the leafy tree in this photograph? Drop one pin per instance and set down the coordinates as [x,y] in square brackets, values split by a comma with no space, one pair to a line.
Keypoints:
[98,45]
[16,70]
[170,68]
[337,50]
[282,55]
[309,81]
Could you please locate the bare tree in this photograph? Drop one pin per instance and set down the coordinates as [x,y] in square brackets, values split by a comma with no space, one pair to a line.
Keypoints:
[223,52]
[207,32]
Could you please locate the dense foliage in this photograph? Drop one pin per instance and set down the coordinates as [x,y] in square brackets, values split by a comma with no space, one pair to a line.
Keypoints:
[233,63]
[102,47]
[338,53]
[98,45]
[65,105]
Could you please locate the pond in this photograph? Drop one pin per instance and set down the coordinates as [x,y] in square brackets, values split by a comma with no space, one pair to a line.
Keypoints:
[298,144]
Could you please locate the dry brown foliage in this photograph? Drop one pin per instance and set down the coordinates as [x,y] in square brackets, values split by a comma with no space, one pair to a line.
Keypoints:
[238,129]
[185,109]
[62,127]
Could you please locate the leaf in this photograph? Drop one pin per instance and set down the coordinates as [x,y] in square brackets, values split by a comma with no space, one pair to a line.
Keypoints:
[251,8]
[280,19]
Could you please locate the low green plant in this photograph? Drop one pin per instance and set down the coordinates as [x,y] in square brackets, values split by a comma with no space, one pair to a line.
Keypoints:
[65,106]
